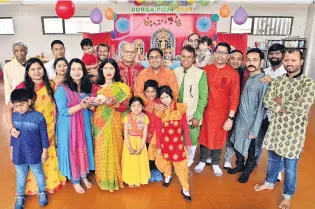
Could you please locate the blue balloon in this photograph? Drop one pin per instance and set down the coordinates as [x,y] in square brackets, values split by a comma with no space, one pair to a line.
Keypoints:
[113,34]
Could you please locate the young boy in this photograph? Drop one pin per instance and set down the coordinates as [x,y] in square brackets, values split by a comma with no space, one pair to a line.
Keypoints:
[150,92]
[204,56]
[89,59]
[29,148]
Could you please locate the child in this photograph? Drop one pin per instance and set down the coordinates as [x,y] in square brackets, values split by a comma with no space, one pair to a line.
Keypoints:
[170,126]
[204,56]
[29,148]
[135,165]
[150,91]
[89,59]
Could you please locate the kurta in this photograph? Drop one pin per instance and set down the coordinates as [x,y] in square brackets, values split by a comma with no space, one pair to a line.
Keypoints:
[63,130]
[224,93]
[129,73]
[171,125]
[250,114]
[286,132]
[194,93]
[164,77]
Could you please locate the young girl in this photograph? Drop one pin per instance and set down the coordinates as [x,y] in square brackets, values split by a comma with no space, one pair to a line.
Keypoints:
[135,164]
[170,126]
[151,88]
[112,96]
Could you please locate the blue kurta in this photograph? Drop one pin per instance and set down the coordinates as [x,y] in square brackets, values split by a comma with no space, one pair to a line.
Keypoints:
[63,132]
[250,114]
[28,147]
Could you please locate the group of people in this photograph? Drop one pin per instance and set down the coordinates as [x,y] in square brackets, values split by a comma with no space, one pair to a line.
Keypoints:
[130,124]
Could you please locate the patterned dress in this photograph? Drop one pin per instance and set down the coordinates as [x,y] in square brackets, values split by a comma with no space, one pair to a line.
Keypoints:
[286,132]
[108,130]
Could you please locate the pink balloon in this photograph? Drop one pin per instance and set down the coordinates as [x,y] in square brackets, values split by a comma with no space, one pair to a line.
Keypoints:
[96,16]
[240,16]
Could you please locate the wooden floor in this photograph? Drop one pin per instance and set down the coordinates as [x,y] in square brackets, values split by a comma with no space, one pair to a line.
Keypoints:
[208,191]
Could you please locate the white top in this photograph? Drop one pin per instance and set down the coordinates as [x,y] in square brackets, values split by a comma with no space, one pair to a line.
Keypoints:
[13,75]
[274,74]
[51,72]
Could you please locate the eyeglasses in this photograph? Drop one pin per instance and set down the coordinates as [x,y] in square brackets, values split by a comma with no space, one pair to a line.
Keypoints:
[155,58]
[129,52]
[221,53]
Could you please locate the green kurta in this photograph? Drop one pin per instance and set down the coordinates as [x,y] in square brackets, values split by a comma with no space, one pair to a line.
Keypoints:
[286,132]
[202,102]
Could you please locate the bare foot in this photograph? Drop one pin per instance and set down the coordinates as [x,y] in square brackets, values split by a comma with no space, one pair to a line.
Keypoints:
[78,188]
[137,185]
[285,204]
[131,186]
[87,183]
[261,187]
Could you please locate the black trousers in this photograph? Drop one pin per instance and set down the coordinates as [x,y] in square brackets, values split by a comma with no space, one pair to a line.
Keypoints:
[214,154]
[251,159]
[151,162]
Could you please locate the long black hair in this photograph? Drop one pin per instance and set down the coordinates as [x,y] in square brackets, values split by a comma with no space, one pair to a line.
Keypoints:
[85,85]
[101,77]
[29,84]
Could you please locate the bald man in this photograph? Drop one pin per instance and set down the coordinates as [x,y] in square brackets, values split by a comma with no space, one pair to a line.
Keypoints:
[129,68]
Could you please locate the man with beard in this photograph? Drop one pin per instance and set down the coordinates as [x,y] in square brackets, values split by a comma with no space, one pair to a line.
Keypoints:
[290,98]
[235,60]
[275,57]
[250,115]
[224,93]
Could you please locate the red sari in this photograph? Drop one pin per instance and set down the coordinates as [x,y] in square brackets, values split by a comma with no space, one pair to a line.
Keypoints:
[224,94]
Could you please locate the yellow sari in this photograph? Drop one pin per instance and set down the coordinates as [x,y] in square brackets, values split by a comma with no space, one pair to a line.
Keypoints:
[108,131]
[54,181]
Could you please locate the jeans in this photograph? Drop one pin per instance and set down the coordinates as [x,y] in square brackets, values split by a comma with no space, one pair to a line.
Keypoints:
[274,166]
[21,175]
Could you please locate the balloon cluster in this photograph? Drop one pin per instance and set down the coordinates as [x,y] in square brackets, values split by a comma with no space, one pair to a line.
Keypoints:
[173,3]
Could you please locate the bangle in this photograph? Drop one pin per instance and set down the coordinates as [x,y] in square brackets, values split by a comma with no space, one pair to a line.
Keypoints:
[11,129]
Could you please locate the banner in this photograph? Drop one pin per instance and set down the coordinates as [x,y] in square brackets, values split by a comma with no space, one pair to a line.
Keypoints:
[237,41]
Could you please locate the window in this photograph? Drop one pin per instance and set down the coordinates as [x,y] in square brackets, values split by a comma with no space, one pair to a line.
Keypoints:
[52,25]
[74,25]
[6,26]
[77,25]
[273,26]
[245,28]
[264,25]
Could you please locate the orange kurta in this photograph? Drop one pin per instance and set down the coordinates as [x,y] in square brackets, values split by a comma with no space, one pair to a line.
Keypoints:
[164,77]
[224,94]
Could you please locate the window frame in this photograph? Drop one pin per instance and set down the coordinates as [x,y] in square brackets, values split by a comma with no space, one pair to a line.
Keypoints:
[63,25]
[253,23]
[12,24]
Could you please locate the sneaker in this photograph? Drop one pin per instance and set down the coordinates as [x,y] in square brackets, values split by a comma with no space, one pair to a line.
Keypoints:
[200,167]
[209,161]
[19,202]
[190,162]
[217,170]
[158,175]
[227,165]
[152,179]
[43,201]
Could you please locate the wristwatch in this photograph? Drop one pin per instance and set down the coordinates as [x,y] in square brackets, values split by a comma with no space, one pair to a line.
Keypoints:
[231,118]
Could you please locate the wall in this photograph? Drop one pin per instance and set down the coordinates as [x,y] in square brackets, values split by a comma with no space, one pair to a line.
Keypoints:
[28,28]
[310,36]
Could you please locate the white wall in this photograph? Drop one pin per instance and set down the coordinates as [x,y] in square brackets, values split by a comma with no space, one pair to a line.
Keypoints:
[28,28]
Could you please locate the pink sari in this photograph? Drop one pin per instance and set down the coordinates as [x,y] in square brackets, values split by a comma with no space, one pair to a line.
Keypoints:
[78,151]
